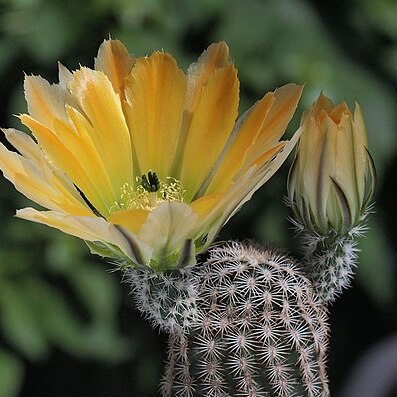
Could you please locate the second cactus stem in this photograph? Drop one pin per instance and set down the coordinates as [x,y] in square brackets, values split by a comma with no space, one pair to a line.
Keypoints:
[329,261]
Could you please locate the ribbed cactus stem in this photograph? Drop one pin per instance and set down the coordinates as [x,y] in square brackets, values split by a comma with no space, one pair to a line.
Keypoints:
[261,331]
[329,261]
[167,299]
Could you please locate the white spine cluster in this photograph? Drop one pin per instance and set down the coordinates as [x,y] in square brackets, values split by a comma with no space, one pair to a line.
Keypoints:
[261,331]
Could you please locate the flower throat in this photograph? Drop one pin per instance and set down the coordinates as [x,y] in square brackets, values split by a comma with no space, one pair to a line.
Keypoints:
[150,192]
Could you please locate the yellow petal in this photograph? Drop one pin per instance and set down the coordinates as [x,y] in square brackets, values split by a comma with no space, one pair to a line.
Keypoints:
[28,180]
[210,127]
[45,101]
[209,209]
[109,133]
[23,143]
[205,204]
[90,229]
[114,60]
[286,100]
[215,57]
[68,161]
[261,129]
[155,94]
[246,184]
[36,179]
[259,173]
[132,219]
[245,134]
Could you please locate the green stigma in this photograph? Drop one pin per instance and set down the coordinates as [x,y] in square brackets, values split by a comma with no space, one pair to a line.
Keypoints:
[151,182]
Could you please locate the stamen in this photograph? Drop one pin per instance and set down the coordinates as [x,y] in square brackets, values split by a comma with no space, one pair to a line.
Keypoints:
[149,193]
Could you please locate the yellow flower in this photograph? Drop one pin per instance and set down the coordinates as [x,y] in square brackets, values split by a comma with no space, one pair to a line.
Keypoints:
[333,176]
[141,160]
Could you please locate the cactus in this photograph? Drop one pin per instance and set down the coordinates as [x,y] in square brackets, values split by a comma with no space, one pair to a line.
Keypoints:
[329,261]
[261,331]
[166,299]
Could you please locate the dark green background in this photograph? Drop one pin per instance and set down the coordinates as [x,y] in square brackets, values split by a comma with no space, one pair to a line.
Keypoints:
[67,325]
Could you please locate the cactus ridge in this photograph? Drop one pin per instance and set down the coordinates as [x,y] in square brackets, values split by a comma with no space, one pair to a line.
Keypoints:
[260,330]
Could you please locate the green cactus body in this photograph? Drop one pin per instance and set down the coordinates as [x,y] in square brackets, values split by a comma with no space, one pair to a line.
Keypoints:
[260,330]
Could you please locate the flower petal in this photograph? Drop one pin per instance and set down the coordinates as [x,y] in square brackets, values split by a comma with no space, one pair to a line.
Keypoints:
[167,229]
[77,158]
[91,229]
[248,183]
[132,219]
[109,132]
[215,57]
[280,113]
[244,136]
[114,60]
[64,76]
[155,93]
[45,101]
[210,126]
[36,179]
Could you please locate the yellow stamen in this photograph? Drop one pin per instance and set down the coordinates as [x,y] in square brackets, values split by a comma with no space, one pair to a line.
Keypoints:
[140,198]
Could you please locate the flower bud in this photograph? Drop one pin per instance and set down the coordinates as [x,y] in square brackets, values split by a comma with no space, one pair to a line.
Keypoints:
[332,179]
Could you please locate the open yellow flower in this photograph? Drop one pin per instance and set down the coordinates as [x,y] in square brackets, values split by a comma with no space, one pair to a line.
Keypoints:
[141,160]
[333,177]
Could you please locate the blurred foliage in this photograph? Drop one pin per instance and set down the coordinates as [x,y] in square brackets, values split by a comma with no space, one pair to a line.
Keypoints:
[65,319]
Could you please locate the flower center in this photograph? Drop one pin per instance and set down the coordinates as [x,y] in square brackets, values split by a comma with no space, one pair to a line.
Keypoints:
[150,192]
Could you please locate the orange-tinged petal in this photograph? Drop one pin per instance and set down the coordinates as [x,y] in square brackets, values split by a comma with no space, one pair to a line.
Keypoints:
[155,93]
[248,128]
[248,182]
[270,154]
[210,127]
[215,57]
[260,129]
[132,219]
[286,100]
[109,133]
[114,60]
